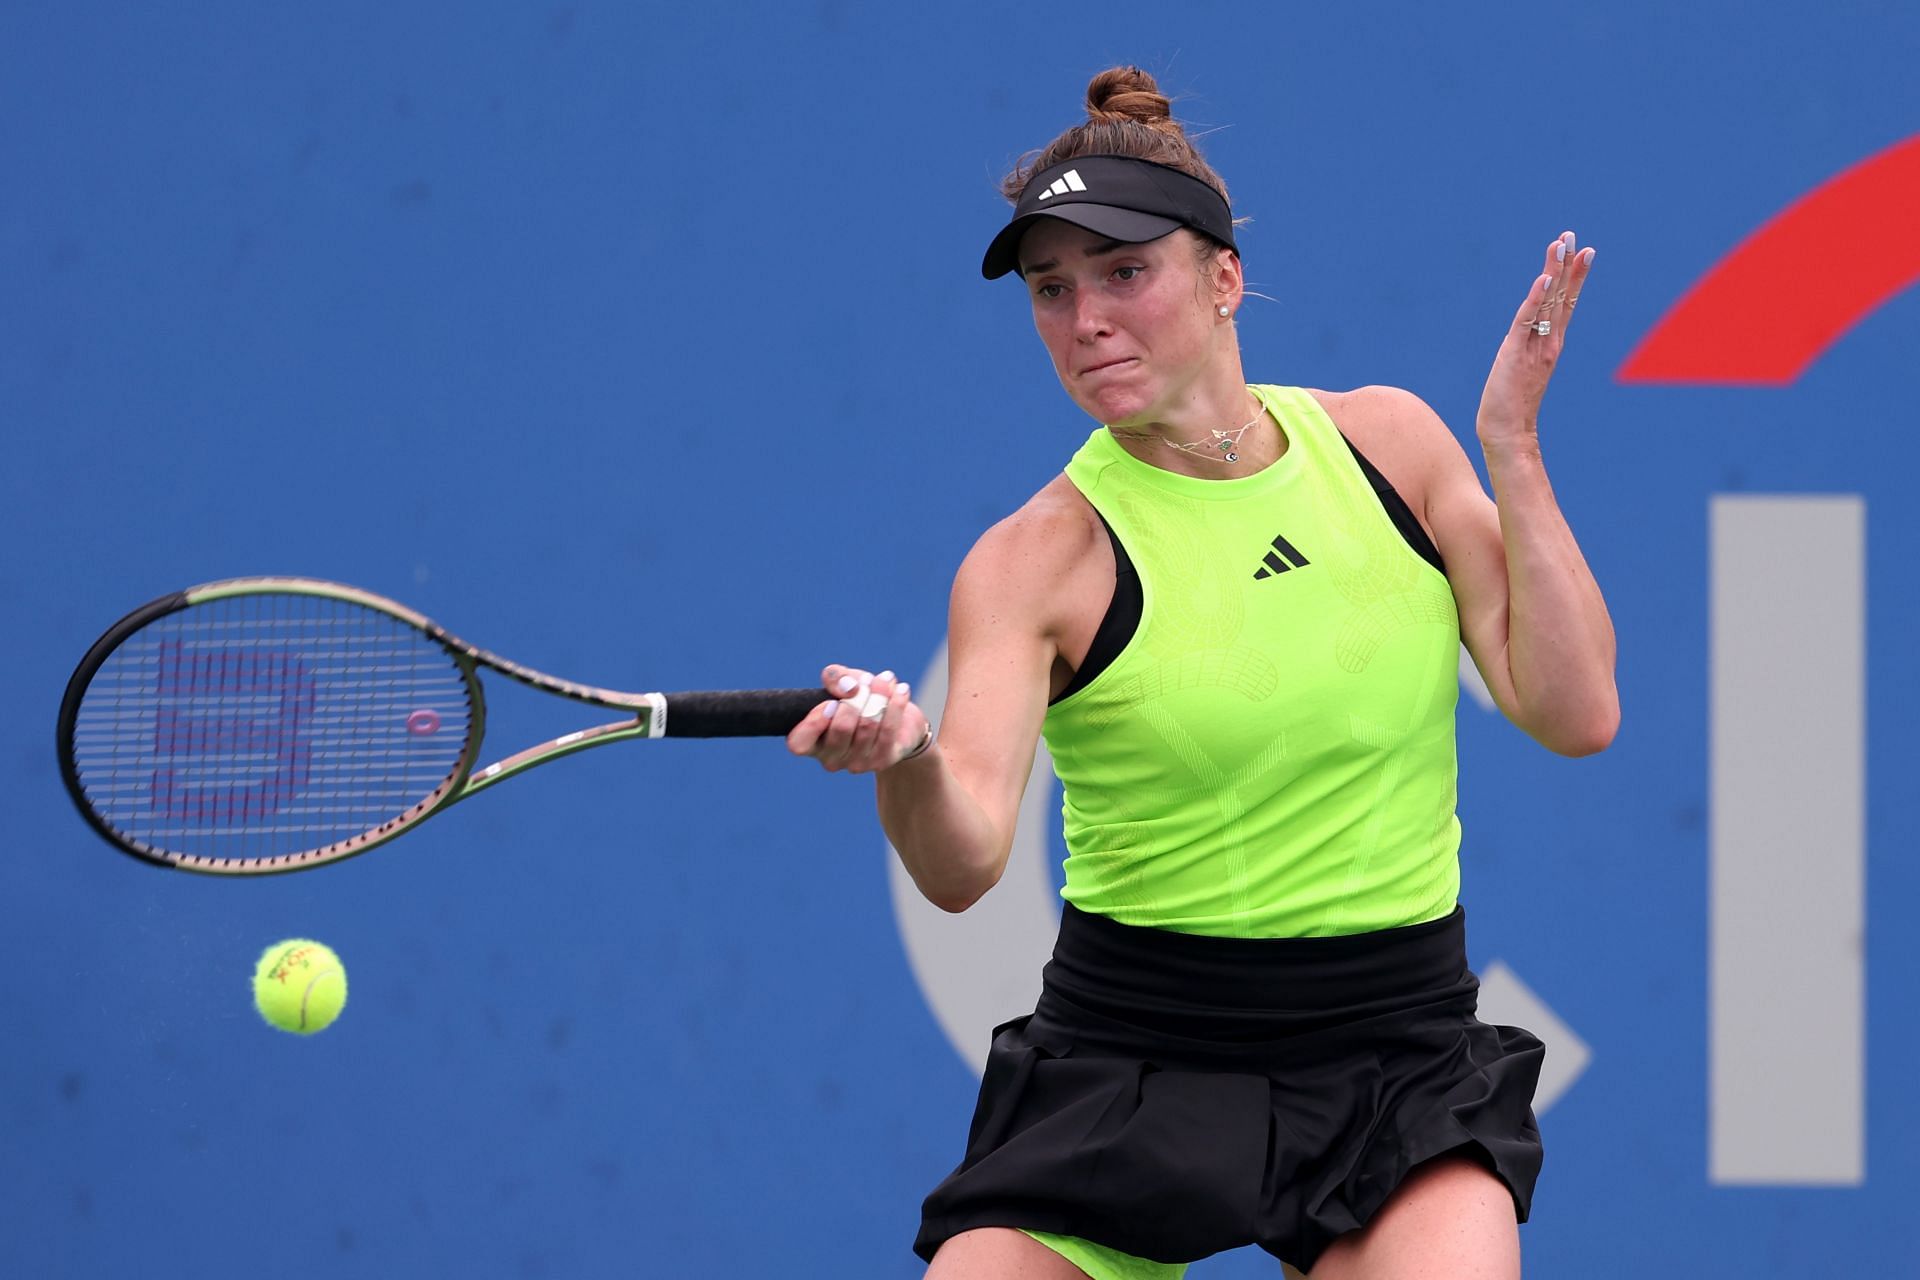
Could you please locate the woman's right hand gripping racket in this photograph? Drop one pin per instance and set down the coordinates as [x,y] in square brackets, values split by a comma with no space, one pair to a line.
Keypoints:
[262,725]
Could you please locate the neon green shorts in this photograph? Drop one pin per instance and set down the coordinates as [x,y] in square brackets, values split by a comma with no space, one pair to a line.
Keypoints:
[1102,1263]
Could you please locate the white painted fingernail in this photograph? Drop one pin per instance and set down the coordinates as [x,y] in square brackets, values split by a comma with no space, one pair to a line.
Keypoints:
[884,675]
[1560,251]
[906,690]
[1591,255]
[830,709]
[846,684]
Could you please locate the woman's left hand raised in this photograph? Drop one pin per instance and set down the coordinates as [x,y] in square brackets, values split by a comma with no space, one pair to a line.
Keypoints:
[1510,403]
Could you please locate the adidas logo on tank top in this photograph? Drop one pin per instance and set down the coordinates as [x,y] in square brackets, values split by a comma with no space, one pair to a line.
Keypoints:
[1282,558]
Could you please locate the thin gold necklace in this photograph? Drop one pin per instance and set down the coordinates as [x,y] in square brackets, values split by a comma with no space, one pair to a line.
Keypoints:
[1223,447]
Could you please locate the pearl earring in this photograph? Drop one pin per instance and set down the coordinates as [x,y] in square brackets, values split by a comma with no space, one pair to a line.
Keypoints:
[1224,311]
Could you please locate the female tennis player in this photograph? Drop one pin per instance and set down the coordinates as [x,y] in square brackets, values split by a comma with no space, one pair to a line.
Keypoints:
[1236,619]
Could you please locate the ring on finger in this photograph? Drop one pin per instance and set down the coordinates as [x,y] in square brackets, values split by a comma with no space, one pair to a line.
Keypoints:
[1541,327]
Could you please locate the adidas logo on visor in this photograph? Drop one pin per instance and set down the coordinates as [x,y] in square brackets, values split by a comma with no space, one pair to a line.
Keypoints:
[1068,181]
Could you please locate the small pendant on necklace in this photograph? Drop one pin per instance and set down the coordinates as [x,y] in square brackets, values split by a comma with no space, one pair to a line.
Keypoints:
[1232,456]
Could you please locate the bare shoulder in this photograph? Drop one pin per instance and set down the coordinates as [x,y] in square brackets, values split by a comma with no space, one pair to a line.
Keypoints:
[1034,555]
[1400,434]
[1387,421]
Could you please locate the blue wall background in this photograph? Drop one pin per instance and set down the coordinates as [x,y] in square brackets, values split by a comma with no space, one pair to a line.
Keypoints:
[645,344]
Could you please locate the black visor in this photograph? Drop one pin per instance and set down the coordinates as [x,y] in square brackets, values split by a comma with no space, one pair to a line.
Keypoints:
[1115,196]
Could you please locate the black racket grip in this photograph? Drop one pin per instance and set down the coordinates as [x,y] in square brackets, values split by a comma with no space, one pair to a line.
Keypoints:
[739,713]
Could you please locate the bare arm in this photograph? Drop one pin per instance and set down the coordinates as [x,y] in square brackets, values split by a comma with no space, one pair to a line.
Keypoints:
[1531,613]
[950,812]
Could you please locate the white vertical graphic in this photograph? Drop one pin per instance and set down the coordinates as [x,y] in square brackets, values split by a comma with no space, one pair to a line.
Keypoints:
[1787,749]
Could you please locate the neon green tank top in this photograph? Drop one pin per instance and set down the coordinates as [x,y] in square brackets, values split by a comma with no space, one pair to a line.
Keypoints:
[1272,753]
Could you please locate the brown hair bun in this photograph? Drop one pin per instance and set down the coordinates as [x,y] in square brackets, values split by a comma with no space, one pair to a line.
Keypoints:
[1127,115]
[1128,93]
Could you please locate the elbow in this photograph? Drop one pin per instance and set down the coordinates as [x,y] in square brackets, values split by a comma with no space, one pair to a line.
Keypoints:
[958,893]
[1587,736]
[953,899]
[954,903]
[1576,748]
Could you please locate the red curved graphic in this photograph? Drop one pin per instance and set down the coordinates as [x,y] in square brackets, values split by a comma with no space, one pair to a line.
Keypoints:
[1767,310]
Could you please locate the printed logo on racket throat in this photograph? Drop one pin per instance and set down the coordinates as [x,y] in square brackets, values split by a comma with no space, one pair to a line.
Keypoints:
[1068,181]
[1283,557]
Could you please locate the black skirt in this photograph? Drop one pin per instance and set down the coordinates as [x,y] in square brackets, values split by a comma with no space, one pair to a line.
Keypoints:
[1174,1095]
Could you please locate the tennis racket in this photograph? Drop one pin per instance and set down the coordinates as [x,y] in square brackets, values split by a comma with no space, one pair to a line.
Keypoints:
[262,725]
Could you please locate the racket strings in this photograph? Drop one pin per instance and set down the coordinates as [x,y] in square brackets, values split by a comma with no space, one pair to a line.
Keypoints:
[262,726]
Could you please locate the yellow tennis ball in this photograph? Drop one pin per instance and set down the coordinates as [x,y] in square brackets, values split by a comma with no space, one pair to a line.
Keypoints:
[300,986]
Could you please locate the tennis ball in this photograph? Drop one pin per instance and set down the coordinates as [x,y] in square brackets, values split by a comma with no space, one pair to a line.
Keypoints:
[300,986]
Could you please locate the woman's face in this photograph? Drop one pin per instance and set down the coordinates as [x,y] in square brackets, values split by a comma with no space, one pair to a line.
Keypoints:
[1131,328]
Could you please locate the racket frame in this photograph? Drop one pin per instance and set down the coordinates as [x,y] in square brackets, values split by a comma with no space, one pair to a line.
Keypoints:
[647,719]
